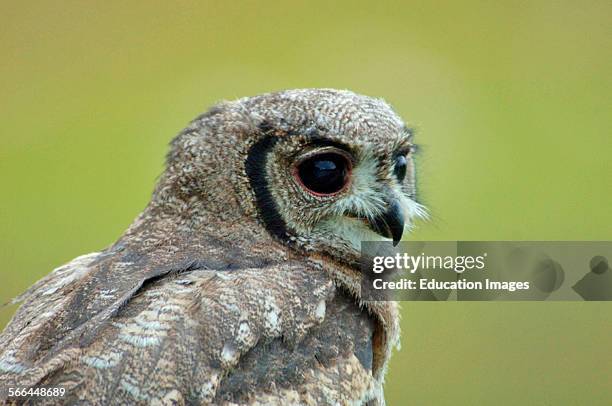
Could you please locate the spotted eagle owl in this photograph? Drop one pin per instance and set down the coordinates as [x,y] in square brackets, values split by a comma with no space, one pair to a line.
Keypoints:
[239,283]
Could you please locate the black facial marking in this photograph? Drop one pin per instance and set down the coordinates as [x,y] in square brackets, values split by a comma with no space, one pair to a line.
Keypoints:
[400,167]
[256,171]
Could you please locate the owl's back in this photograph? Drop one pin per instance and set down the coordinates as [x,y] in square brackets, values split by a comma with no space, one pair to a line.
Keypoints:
[201,330]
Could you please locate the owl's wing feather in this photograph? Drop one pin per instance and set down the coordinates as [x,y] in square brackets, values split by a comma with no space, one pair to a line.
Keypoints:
[191,333]
[45,299]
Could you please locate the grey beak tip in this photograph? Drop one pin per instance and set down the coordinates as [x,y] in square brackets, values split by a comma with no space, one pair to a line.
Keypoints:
[391,223]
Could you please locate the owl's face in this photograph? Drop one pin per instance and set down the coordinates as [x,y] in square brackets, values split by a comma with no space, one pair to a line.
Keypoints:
[344,191]
[333,186]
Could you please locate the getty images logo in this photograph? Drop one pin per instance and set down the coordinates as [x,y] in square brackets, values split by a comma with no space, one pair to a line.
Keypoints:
[414,263]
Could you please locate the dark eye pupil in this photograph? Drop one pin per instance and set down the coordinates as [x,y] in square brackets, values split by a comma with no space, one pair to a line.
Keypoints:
[325,173]
[400,167]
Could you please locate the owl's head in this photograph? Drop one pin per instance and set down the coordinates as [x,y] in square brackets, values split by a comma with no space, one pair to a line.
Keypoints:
[320,170]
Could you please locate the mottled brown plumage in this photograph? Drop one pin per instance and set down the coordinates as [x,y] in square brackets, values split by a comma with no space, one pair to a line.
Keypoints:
[235,285]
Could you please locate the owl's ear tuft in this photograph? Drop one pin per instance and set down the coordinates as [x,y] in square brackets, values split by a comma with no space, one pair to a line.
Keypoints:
[213,111]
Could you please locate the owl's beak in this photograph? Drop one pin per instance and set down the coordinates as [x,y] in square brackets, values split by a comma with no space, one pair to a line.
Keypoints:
[390,224]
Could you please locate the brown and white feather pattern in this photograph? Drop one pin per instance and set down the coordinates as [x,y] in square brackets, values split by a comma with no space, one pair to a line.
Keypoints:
[206,298]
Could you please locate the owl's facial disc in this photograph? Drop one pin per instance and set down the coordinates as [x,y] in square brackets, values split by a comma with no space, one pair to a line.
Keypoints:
[362,203]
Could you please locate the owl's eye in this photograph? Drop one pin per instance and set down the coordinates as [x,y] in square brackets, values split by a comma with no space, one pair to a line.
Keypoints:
[324,174]
[400,168]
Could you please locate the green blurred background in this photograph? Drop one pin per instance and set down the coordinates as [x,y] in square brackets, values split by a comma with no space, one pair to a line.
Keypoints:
[511,101]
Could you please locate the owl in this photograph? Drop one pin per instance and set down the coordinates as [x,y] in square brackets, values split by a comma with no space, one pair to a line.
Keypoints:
[239,283]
